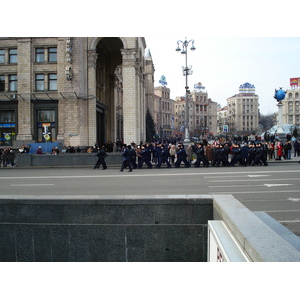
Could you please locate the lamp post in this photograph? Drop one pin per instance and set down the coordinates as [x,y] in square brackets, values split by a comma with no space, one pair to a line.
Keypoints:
[187,70]
[279,96]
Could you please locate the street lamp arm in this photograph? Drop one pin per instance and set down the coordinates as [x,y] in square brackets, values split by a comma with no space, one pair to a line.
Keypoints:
[186,72]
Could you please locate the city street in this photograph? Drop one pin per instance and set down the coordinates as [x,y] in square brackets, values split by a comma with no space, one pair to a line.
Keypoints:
[274,189]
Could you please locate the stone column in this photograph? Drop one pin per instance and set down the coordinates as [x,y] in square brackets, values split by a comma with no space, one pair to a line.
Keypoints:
[24,86]
[92,63]
[62,109]
[130,96]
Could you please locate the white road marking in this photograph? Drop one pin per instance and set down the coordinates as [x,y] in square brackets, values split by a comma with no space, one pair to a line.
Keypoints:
[233,186]
[275,184]
[294,199]
[253,180]
[32,184]
[140,174]
[258,175]
[255,192]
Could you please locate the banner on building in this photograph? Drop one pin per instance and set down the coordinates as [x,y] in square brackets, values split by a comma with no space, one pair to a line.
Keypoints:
[163,81]
[295,81]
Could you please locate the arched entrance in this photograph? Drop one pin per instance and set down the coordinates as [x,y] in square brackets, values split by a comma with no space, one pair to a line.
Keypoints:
[109,90]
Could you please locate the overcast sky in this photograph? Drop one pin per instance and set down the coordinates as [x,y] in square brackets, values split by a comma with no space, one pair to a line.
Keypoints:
[236,42]
[222,64]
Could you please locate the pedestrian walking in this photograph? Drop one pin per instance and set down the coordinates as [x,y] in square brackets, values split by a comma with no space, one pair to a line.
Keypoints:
[126,159]
[101,154]
[145,157]
[201,157]
[181,157]
[163,157]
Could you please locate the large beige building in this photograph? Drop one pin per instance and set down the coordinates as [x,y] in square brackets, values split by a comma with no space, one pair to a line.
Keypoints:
[291,107]
[163,112]
[202,113]
[243,111]
[222,119]
[80,90]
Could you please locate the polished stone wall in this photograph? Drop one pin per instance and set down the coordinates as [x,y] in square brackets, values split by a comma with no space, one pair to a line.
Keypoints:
[110,229]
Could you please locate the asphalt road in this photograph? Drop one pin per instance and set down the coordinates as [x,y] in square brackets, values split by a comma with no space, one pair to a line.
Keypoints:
[274,189]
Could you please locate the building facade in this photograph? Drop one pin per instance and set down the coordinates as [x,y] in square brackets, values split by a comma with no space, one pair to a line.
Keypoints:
[163,112]
[222,119]
[291,107]
[202,113]
[77,91]
[243,110]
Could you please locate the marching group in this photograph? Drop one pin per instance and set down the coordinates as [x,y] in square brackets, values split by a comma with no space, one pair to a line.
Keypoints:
[216,154]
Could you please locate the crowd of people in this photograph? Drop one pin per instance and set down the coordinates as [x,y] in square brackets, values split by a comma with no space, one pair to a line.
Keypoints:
[216,153]
[250,151]
[7,157]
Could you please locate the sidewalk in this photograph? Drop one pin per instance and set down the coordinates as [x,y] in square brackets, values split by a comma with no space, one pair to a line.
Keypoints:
[293,159]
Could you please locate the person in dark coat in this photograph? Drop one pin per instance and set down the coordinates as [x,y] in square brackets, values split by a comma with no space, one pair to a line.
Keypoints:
[126,159]
[181,157]
[219,156]
[163,157]
[132,154]
[251,154]
[259,156]
[145,154]
[101,158]
[244,154]
[237,154]
[201,157]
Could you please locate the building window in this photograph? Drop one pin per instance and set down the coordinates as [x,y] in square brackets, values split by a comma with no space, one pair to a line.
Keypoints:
[52,82]
[7,127]
[2,56]
[2,83]
[39,82]
[13,83]
[39,54]
[13,56]
[7,116]
[52,54]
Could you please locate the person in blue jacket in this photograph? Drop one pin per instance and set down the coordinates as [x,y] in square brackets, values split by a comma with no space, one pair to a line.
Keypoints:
[163,157]
[181,157]
[126,158]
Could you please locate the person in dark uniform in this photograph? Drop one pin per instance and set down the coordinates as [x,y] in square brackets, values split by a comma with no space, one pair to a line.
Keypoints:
[218,155]
[145,154]
[132,154]
[163,157]
[101,158]
[237,154]
[251,154]
[201,157]
[126,159]
[260,157]
[181,157]
[244,154]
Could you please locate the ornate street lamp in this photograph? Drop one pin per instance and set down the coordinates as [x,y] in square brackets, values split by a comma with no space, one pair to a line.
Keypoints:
[187,70]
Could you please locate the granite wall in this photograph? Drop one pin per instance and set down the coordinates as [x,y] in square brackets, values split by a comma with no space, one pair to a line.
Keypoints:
[153,229]
[67,159]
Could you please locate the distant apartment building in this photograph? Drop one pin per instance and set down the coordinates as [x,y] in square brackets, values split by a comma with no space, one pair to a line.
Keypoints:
[163,112]
[202,113]
[291,104]
[243,110]
[222,119]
